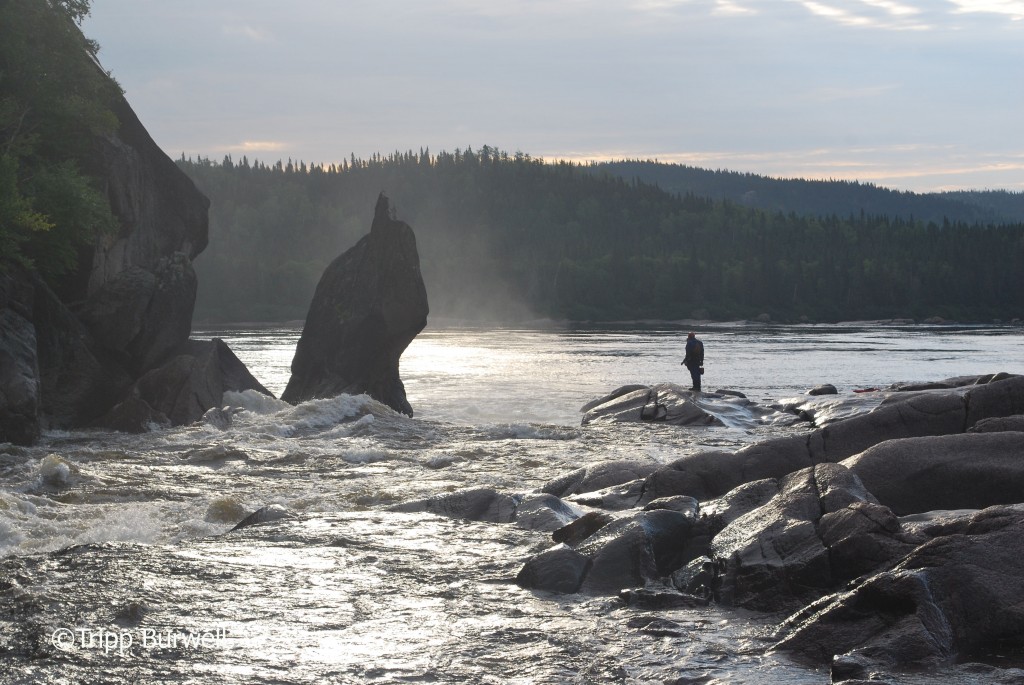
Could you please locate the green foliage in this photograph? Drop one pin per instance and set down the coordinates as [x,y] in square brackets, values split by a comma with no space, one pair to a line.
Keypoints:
[507,236]
[54,101]
[79,214]
[18,222]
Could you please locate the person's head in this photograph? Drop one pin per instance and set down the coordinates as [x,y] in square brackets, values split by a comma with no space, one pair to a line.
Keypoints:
[691,336]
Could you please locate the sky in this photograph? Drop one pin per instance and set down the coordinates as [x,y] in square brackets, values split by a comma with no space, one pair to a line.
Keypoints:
[921,95]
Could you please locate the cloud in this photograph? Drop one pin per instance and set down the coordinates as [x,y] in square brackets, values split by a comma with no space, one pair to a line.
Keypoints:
[894,8]
[877,14]
[728,8]
[1014,9]
[256,146]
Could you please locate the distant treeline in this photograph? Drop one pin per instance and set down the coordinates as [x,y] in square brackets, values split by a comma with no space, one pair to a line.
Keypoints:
[507,237]
[817,198]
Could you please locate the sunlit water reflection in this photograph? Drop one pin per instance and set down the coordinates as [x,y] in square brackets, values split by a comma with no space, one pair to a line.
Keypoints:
[110,532]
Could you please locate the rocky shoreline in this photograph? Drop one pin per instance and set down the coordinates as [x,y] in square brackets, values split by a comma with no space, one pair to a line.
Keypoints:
[884,540]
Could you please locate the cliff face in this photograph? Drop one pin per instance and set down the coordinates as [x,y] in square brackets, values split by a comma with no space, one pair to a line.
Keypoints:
[136,290]
[68,358]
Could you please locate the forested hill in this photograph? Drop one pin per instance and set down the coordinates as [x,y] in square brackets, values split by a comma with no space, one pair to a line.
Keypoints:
[509,237]
[817,198]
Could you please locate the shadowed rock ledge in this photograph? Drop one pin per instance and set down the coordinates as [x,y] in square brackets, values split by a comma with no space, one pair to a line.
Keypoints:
[369,305]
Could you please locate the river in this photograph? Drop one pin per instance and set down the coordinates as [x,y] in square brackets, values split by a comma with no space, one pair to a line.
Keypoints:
[119,564]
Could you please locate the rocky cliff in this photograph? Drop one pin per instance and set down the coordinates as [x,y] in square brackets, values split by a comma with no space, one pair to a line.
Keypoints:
[70,356]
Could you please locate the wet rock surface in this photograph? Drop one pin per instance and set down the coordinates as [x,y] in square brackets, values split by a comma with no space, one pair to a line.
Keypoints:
[674,405]
[949,597]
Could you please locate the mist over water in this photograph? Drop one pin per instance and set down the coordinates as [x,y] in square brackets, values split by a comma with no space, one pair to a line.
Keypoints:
[123,534]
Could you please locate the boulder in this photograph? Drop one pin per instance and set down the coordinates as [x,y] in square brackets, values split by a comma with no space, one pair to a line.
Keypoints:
[560,569]
[368,306]
[996,398]
[183,389]
[133,415]
[999,424]
[545,512]
[780,555]
[599,476]
[824,389]
[702,476]
[614,395]
[665,402]
[954,597]
[697,577]
[614,498]
[622,553]
[19,363]
[743,499]
[681,503]
[861,538]
[636,549]
[473,504]
[967,471]
[582,528]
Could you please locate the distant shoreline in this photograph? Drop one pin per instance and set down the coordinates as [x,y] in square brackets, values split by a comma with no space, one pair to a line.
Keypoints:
[697,324]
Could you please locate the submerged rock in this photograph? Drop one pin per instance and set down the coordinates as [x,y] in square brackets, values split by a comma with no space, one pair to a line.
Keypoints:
[272,512]
[474,504]
[542,512]
[369,305]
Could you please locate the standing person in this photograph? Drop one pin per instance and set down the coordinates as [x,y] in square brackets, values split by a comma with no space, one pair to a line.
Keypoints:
[694,359]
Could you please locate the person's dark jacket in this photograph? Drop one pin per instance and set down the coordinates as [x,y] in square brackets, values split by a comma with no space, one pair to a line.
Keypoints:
[694,354]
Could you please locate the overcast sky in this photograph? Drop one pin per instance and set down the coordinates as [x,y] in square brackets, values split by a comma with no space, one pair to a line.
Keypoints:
[910,94]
